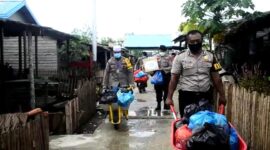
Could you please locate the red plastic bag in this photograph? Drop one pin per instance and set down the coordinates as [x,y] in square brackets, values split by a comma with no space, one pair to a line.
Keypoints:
[182,135]
[139,80]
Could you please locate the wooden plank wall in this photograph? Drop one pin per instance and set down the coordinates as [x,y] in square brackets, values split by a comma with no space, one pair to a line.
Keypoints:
[82,108]
[87,99]
[57,122]
[67,84]
[72,115]
[32,136]
[47,53]
[249,112]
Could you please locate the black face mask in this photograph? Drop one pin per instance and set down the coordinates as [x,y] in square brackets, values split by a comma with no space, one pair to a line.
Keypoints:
[194,48]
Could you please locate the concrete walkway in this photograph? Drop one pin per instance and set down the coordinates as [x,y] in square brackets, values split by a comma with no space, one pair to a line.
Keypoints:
[146,129]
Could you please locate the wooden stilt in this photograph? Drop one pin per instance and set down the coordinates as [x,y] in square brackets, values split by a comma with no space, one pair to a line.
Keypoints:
[20,54]
[24,50]
[36,55]
[31,70]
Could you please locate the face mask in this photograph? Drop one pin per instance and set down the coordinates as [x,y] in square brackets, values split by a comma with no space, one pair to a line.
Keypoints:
[117,55]
[194,48]
[162,53]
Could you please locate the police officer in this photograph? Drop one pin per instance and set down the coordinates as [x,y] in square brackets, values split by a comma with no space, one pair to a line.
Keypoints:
[195,70]
[165,64]
[118,72]
[139,65]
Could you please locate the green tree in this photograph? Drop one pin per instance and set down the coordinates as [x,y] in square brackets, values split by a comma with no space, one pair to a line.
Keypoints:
[106,41]
[213,14]
[78,47]
[84,35]
[189,25]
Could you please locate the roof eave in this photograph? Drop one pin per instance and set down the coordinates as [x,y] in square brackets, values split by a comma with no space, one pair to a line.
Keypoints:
[32,15]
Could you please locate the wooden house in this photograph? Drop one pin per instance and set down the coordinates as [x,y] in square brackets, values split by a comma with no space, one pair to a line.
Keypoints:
[181,41]
[15,21]
[246,45]
[30,50]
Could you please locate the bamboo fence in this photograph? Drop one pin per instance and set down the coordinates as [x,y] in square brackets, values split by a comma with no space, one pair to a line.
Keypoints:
[24,135]
[249,112]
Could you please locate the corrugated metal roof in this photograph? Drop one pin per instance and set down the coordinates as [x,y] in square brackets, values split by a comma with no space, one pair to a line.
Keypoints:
[9,7]
[147,40]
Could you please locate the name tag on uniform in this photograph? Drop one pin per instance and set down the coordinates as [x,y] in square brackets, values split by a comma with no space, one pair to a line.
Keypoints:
[188,64]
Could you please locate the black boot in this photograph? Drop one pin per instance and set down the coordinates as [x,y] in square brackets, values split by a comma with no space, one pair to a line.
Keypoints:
[140,88]
[158,106]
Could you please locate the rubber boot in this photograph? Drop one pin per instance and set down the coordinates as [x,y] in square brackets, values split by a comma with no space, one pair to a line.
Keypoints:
[158,106]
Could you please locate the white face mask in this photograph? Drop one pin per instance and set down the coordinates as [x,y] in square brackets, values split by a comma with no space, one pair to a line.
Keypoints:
[162,53]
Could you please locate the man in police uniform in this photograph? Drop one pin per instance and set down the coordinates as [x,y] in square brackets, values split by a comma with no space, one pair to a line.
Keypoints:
[165,65]
[139,63]
[195,70]
[118,72]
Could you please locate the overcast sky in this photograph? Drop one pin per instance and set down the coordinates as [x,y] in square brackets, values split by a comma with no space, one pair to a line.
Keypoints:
[115,17]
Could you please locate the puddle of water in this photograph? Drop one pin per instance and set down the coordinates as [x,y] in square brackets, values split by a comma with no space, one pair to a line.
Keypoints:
[141,100]
[135,145]
[71,140]
[144,108]
[142,134]
[150,112]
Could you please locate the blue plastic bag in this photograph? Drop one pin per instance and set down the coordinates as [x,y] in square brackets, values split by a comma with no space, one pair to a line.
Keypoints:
[124,98]
[221,120]
[140,74]
[157,78]
[233,139]
[200,118]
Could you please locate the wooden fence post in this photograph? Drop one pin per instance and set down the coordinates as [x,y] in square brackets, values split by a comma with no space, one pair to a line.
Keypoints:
[31,71]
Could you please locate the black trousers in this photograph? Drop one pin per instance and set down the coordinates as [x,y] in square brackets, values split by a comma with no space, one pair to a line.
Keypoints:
[187,97]
[142,86]
[162,90]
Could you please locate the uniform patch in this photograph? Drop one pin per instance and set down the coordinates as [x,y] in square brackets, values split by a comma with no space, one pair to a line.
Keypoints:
[217,66]
[128,63]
